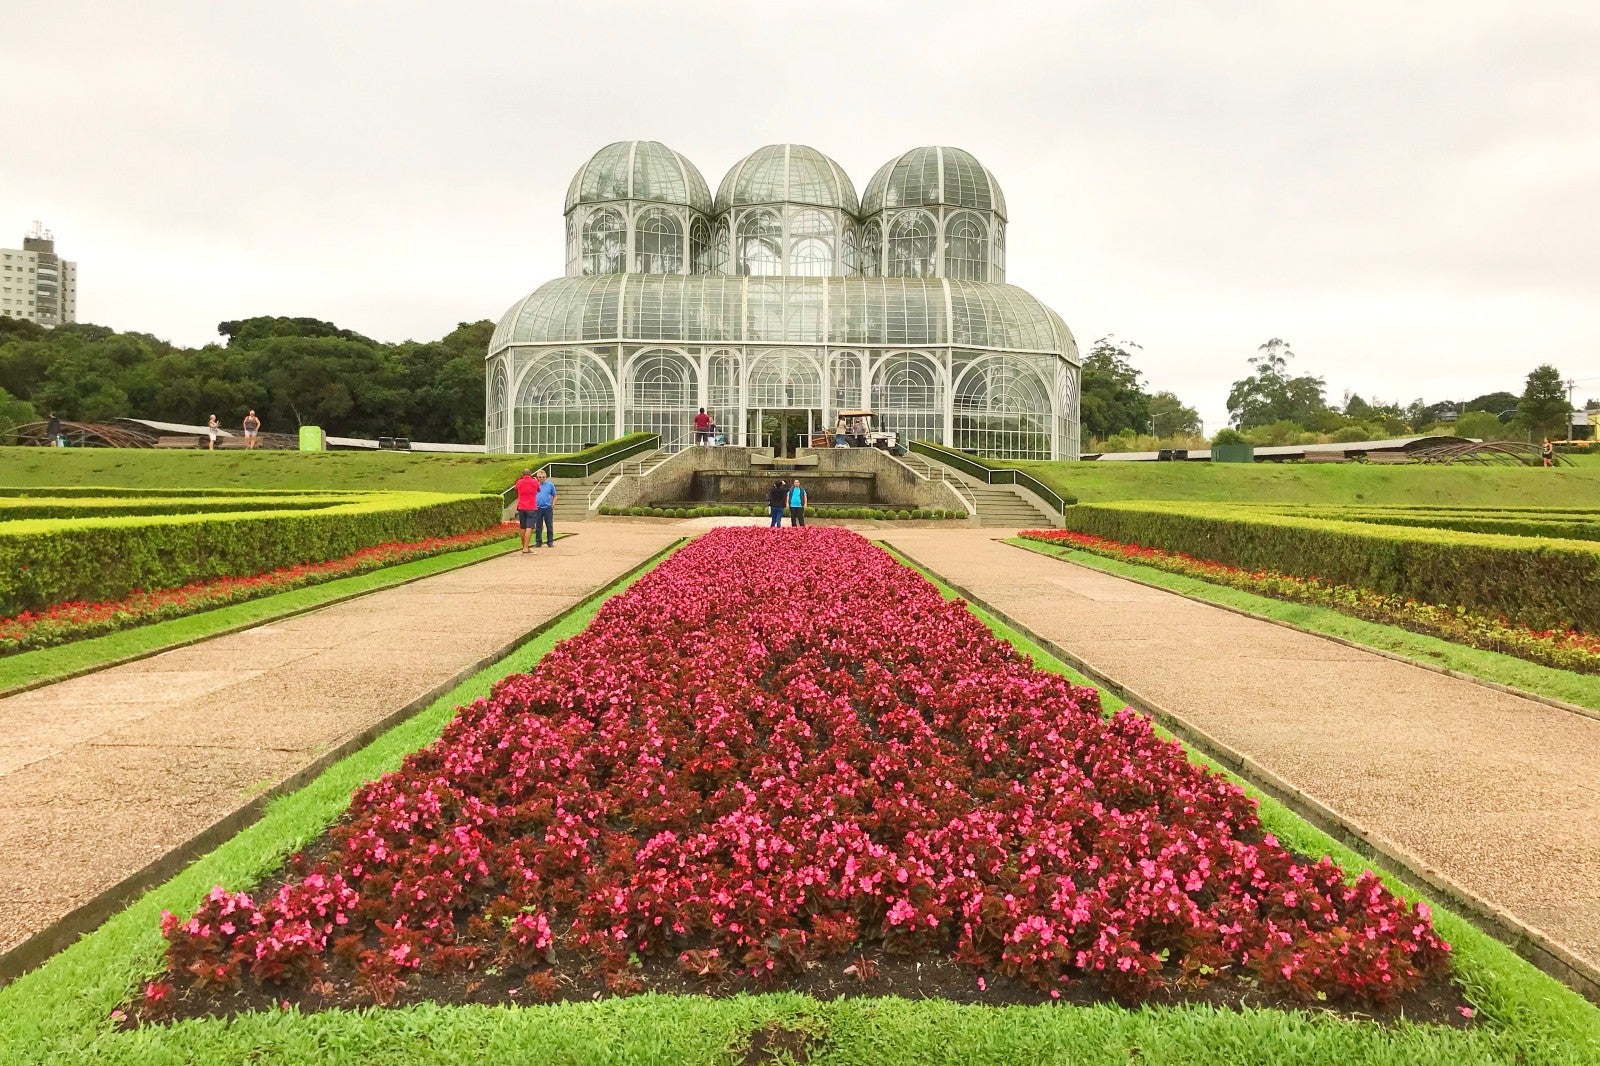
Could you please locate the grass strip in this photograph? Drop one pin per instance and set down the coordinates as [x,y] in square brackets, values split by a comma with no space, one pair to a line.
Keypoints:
[1582,690]
[30,669]
[61,1012]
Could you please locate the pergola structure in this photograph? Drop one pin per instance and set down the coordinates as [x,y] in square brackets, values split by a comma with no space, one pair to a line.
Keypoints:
[783,298]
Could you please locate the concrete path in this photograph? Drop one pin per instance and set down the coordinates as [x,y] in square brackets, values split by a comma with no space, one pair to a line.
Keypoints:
[103,774]
[1498,793]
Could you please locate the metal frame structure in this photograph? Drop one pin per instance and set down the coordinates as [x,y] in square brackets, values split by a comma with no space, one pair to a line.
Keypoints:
[784,293]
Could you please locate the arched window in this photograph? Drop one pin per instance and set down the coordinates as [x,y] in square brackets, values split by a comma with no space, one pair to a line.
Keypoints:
[1002,408]
[658,237]
[844,381]
[605,243]
[848,250]
[810,244]
[661,397]
[700,246]
[999,275]
[722,392]
[966,249]
[872,249]
[719,249]
[908,390]
[758,244]
[495,436]
[564,403]
[785,378]
[572,244]
[913,243]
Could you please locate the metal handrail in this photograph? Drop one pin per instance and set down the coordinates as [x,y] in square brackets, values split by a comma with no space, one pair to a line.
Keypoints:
[993,475]
[648,443]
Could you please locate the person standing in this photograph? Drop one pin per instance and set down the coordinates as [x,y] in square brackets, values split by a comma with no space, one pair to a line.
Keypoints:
[776,496]
[527,506]
[1547,452]
[212,427]
[252,426]
[702,427]
[797,504]
[545,518]
[52,430]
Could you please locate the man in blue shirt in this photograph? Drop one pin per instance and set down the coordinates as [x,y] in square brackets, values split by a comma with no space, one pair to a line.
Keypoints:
[545,515]
[797,504]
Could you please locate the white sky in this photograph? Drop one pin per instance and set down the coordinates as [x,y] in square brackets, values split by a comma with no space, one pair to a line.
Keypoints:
[1408,192]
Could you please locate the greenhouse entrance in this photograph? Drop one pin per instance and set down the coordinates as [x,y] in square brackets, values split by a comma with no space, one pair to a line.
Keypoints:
[784,429]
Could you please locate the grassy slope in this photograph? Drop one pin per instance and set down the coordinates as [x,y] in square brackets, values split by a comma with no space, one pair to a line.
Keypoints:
[1581,689]
[144,468]
[47,664]
[61,1011]
[1326,483]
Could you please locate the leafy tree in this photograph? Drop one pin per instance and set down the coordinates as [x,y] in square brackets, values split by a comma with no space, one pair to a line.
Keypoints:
[1544,406]
[1228,435]
[1592,405]
[1493,402]
[1113,398]
[1270,395]
[1480,425]
[14,412]
[1170,418]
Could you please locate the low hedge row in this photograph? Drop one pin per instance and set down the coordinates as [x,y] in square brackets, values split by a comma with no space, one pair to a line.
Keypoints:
[727,510]
[16,510]
[107,491]
[1553,523]
[1538,583]
[43,561]
[506,473]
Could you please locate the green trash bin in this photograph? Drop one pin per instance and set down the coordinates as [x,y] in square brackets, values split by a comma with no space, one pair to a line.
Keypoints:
[311,439]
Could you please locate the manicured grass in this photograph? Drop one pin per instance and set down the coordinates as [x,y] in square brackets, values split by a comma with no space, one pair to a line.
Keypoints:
[61,1012]
[1565,685]
[52,664]
[140,468]
[1099,481]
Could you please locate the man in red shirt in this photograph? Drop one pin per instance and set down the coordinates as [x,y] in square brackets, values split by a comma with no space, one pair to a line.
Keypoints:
[527,506]
[702,427]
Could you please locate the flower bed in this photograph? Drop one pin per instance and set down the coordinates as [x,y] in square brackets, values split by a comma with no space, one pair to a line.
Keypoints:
[777,750]
[1566,649]
[66,622]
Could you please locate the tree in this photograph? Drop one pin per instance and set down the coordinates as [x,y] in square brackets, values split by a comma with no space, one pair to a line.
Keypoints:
[14,412]
[1493,402]
[1270,395]
[1480,425]
[1170,418]
[1113,397]
[1544,405]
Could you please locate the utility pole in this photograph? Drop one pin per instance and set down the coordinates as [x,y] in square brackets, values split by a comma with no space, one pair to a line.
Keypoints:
[1571,384]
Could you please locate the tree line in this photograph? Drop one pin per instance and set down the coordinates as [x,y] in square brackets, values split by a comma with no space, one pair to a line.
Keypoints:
[1272,404]
[291,371]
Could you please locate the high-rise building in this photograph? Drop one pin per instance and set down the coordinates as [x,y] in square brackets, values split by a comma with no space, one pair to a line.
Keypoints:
[37,284]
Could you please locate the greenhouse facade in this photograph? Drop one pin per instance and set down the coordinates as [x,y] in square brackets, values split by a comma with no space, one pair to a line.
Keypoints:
[783,300]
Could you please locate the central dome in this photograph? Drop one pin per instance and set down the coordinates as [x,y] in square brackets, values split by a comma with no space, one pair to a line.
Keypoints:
[639,170]
[931,176]
[787,174]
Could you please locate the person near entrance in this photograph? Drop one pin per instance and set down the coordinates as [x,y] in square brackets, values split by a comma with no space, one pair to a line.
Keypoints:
[797,504]
[702,427]
[527,506]
[544,517]
[775,499]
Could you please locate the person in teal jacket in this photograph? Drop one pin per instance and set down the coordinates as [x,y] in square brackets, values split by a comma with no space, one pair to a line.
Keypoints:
[797,504]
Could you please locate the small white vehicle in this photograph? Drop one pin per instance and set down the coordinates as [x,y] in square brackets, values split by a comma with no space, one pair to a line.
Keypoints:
[863,430]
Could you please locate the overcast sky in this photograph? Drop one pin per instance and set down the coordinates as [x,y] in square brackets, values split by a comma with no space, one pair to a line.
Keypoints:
[1407,192]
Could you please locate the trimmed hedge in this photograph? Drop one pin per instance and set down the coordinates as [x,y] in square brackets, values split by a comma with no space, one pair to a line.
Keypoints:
[116,491]
[16,510]
[43,562]
[1542,584]
[729,510]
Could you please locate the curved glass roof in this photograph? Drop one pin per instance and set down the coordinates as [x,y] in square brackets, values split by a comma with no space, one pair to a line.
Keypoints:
[933,175]
[639,170]
[712,308]
[787,174]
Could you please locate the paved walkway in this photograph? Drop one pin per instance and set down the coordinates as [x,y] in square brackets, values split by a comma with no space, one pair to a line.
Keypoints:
[1499,793]
[103,774]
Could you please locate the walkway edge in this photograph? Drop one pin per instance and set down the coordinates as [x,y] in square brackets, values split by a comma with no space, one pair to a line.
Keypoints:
[1532,943]
[240,627]
[86,917]
[1459,675]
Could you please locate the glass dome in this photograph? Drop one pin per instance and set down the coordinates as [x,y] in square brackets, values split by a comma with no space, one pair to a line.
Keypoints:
[933,176]
[787,174]
[832,311]
[639,170]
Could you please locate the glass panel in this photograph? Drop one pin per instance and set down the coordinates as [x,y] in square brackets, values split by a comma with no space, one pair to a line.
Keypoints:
[848,256]
[912,245]
[759,244]
[1002,408]
[872,249]
[722,391]
[844,381]
[605,243]
[658,237]
[661,397]
[811,244]
[564,403]
[966,249]
[908,393]
[788,377]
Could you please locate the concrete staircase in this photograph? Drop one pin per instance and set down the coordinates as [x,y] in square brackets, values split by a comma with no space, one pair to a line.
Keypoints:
[998,506]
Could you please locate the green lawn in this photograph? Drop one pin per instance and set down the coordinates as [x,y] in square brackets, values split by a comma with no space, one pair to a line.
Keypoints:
[1098,481]
[141,468]
[62,1011]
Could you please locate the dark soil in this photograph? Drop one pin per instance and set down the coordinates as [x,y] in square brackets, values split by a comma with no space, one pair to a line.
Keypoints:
[765,1043]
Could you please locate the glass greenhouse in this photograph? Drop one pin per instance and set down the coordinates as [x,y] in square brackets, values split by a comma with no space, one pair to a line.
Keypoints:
[786,298]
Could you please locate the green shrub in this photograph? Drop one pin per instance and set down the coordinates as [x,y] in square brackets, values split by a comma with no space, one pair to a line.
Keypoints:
[1534,582]
[1228,435]
[43,562]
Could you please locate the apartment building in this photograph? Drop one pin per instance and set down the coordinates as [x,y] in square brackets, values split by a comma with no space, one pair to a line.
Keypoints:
[37,284]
